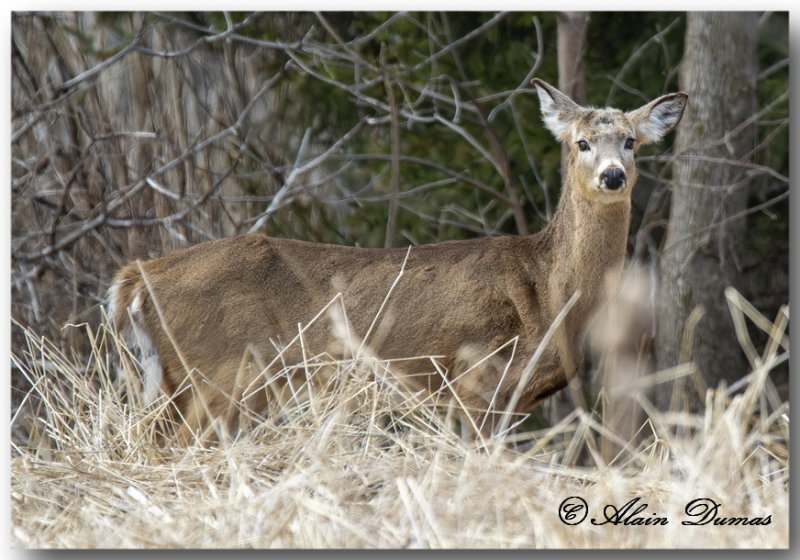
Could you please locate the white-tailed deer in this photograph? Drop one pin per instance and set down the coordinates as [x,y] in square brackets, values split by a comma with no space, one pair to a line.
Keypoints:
[208,320]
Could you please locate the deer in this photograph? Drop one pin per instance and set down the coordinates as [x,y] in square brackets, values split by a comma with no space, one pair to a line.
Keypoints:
[212,321]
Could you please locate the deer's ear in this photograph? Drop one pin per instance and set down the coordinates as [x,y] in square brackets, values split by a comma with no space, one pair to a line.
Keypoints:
[558,110]
[658,117]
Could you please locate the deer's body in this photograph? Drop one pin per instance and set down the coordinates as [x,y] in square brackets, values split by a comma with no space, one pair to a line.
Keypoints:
[215,315]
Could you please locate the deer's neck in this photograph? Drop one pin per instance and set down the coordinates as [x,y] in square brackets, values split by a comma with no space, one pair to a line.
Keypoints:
[589,240]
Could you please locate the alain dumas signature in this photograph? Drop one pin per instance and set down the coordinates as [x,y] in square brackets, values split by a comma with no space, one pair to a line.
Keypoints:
[700,511]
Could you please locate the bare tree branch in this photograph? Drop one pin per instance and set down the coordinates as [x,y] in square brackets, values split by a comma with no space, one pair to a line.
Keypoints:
[288,189]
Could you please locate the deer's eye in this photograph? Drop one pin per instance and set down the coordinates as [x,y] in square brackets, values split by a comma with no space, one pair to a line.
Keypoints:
[583,145]
[629,143]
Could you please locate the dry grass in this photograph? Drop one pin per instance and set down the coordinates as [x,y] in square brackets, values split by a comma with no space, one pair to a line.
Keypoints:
[364,465]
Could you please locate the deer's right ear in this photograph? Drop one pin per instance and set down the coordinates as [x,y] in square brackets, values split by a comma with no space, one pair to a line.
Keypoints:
[558,110]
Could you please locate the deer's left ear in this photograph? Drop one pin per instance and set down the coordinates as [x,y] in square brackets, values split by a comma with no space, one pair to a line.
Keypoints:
[658,117]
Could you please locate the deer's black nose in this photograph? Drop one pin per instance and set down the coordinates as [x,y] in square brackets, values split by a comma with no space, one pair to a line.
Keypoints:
[613,178]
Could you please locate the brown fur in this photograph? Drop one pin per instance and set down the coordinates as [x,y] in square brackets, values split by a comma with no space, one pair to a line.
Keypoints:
[216,312]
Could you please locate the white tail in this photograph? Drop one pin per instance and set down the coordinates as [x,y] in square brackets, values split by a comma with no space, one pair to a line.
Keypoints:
[209,320]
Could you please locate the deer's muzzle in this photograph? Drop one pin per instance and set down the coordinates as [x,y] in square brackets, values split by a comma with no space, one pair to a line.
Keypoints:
[613,178]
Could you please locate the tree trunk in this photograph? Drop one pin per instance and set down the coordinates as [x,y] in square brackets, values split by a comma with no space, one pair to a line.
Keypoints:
[572,29]
[572,32]
[699,257]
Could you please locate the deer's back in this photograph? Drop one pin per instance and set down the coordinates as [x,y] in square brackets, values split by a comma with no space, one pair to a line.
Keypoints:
[219,297]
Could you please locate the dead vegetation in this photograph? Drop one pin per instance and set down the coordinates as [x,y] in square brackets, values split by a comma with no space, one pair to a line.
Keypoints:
[362,464]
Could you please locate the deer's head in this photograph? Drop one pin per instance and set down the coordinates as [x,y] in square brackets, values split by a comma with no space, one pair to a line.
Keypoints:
[602,142]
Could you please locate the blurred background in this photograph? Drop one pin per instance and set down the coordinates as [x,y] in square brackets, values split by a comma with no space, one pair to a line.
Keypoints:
[135,134]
